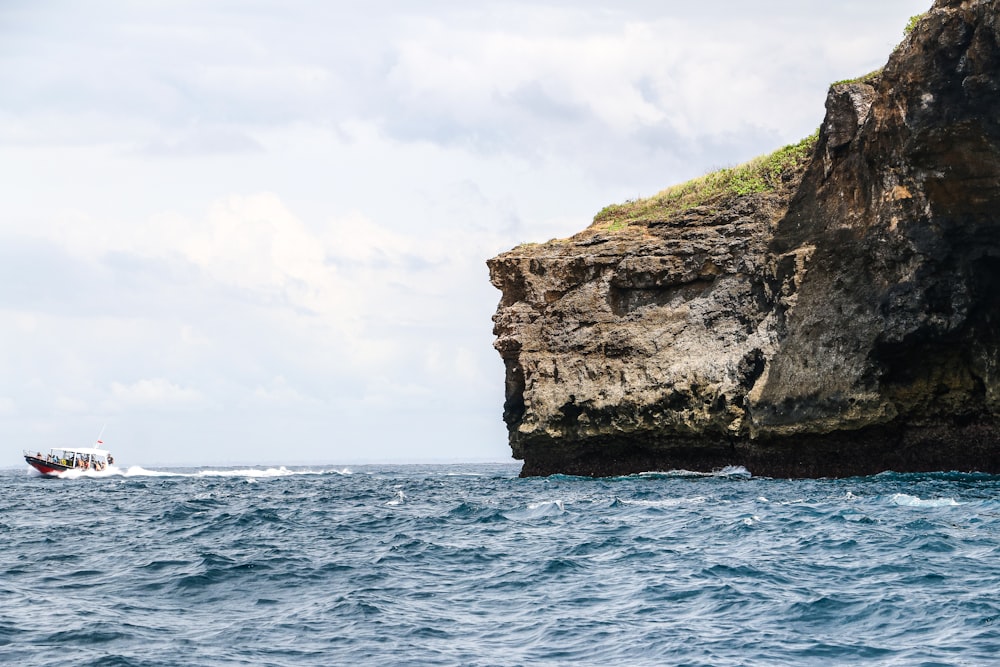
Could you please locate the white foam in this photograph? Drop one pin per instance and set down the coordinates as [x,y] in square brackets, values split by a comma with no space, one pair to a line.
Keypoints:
[732,472]
[906,500]
[138,471]
[77,473]
[536,511]
[399,499]
[248,473]
[547,503]
[666,502]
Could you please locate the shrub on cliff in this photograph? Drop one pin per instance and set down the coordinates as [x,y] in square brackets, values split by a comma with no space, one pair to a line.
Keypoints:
[762,174]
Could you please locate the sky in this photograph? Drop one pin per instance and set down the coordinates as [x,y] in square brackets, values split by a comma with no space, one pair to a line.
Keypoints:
[255,231]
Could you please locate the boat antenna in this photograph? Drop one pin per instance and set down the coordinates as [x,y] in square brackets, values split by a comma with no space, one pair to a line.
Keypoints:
[99,441]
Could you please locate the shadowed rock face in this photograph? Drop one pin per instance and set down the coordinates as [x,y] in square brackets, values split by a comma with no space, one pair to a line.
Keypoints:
[845,323]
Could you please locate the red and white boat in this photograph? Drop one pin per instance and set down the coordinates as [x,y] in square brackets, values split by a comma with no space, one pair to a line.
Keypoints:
[61,459]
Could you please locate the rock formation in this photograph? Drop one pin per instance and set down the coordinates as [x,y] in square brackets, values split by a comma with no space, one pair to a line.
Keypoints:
[841,318]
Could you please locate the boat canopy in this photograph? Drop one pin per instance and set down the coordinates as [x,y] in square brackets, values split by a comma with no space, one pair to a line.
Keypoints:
[86,451]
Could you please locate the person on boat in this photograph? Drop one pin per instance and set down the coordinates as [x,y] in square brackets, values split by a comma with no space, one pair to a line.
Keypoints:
[111,459]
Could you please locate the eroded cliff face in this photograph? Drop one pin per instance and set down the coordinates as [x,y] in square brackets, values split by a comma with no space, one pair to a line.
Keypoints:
[846,321]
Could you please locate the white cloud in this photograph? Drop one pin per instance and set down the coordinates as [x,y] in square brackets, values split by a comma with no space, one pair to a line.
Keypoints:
[255,242]
[455,365]
[25,322]
[190,335]
[504,86]
[156,393]
[200,141]
[252,81]
[70,404]
[279,392]
[384,393]
[476,73]
[7,406]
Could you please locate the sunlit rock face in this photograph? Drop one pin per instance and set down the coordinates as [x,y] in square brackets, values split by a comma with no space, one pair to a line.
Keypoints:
[845,321]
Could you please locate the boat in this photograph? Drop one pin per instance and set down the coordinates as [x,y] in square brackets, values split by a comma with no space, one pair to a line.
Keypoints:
[61,459]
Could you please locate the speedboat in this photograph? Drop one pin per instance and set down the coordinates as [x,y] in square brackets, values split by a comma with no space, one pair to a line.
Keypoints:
[61,459]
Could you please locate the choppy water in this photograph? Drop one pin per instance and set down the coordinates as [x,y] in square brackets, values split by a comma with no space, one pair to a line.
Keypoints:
[468,565]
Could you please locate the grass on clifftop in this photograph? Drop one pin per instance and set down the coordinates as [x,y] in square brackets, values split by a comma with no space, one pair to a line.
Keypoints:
[864,78]
[762,174]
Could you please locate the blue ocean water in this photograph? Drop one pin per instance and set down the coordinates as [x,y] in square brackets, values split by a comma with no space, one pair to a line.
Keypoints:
[468,565]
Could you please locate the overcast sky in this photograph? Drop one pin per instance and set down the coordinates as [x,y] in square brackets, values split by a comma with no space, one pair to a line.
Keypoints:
[254,231]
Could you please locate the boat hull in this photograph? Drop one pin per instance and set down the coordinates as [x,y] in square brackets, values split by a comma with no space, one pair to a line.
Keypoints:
[47,468]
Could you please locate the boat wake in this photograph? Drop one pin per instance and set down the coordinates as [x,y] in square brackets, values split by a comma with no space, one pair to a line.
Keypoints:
[248,473]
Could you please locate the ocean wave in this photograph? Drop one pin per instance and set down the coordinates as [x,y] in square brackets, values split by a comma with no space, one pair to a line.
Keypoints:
[314,569]
[906,500]
[665,502]
[727,472]
[942,475]
[538,510]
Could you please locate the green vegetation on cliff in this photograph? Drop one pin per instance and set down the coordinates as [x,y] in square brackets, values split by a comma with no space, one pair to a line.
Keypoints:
[762,174]
[864,78]
[912,23]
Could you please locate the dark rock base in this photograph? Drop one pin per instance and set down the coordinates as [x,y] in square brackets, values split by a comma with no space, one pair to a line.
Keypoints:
[933,448]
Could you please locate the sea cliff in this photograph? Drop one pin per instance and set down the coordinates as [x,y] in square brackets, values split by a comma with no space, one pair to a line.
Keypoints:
[828,310]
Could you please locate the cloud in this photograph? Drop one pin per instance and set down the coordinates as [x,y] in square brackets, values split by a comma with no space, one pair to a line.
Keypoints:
[155,393]
[519,77]
[280,393]
[198,142]
[622,78]
[72,405]
[248,288]
[8,406]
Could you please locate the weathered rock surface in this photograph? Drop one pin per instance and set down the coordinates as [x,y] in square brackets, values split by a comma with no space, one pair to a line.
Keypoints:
[844,323]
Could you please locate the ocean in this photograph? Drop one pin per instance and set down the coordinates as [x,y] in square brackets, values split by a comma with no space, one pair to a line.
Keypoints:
[469,565]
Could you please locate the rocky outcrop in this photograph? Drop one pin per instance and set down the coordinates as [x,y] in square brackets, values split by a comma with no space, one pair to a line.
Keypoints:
[843,320]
